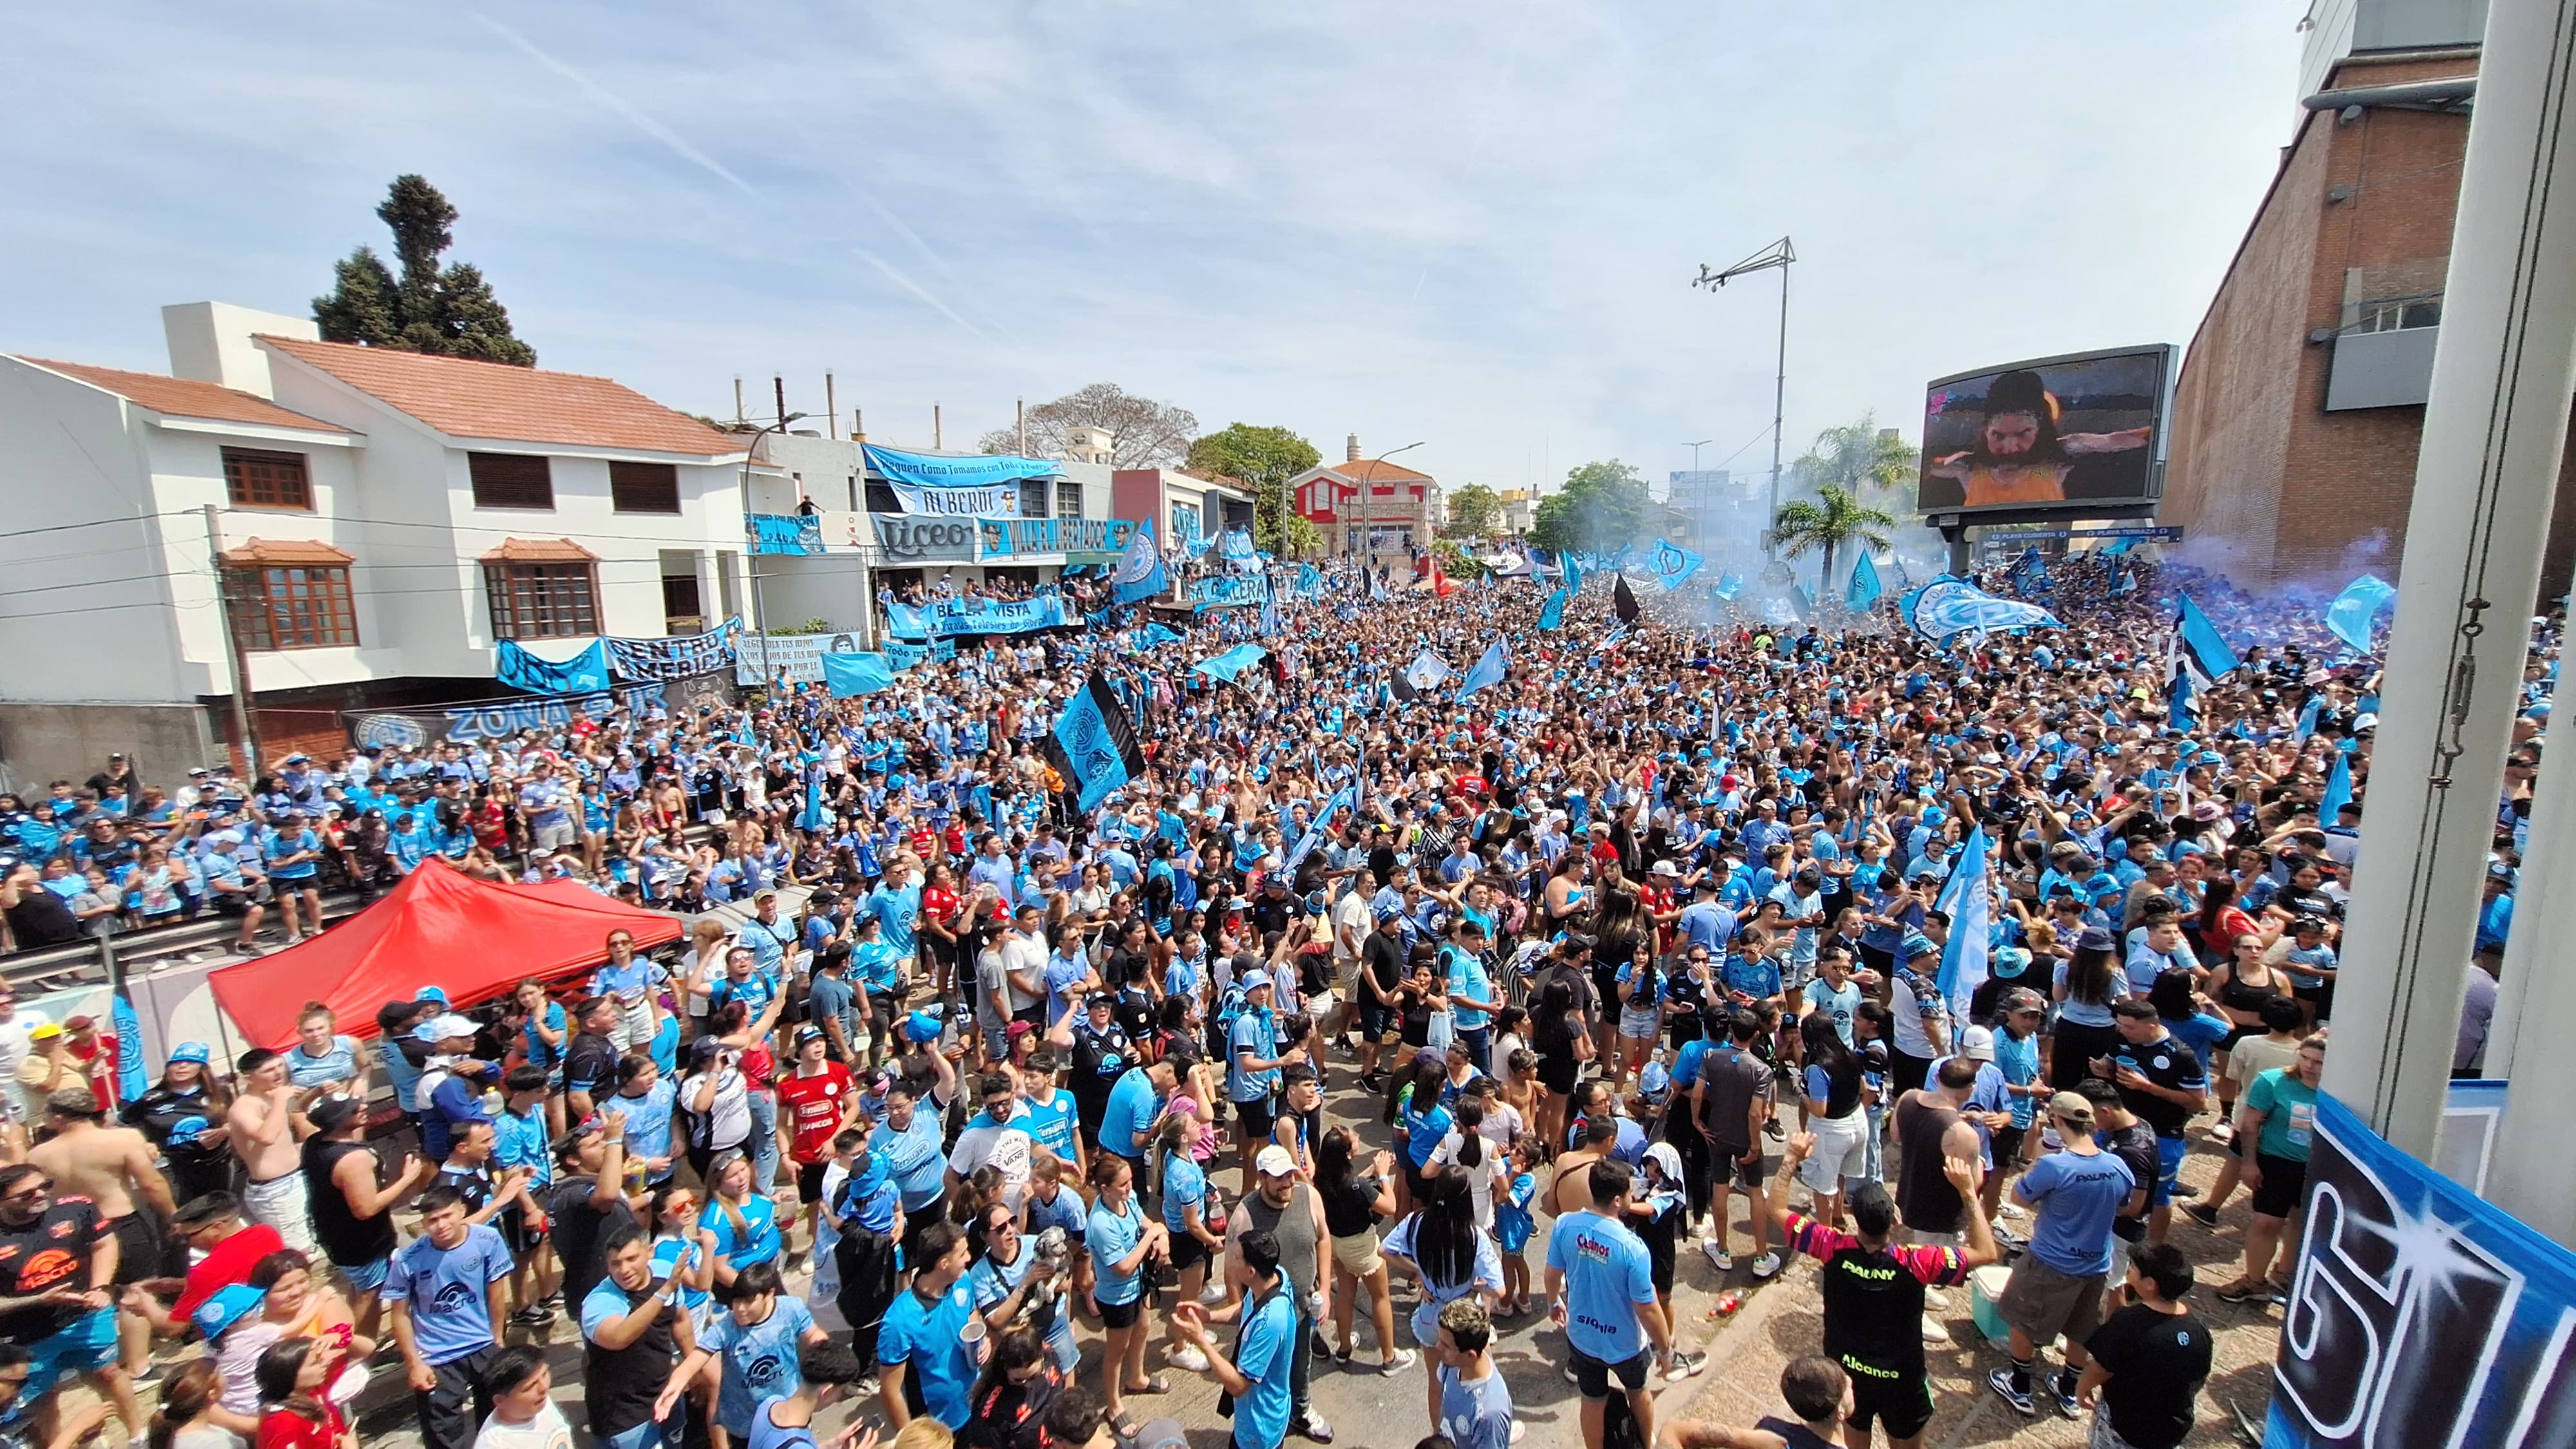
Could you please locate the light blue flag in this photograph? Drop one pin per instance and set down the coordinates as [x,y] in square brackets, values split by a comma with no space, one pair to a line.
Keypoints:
[1671,564]
[1728,586]
[1269,618]
[1345,798]
[846,675]
[2351,614]
[584,673]
[1948,607]
[2124,582]
[2120,546]
[1573,571]
[1426,670]
[1140,573]
[1377,589]
[1154,636]
[2338,789]
[813,817]
[2208,647]
[1488,670]
[1551,615]
[1864,590]
[1966,901]
[1232,662]
[1236,549]
[1310,582]
[907,621]
[2308,713]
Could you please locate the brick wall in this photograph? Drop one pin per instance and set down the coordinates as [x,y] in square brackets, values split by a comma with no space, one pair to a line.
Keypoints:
[2271,487]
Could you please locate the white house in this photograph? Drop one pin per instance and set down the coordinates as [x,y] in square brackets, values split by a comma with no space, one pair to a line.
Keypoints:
[381,520]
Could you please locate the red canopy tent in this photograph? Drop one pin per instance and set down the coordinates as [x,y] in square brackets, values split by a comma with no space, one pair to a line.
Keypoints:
[470,938]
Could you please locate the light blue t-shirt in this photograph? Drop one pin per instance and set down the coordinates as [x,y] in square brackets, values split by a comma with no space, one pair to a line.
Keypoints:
[1184,1187]
[1255,1034]
[1608,1276]
[931,1339]
[338,1064]
[1266,1355]
[1475,1415]
[1111,1237]
[1051,1122]
[2077,1198]
[897,914]
[1838,1005]
[761,1363]
[1133,1105]
[1467,977]
[916,1158]
[758,1240]
[450,1313]
[648,1119]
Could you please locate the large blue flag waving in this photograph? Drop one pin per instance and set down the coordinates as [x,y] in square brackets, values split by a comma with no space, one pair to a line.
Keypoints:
[2208,647]
[1094,745]
[2351,614]
[2338,790]
[847,675]
[1551,615]
[1488,670]
[1140,573]
[1672,565]
[1968,903]
[1864,590]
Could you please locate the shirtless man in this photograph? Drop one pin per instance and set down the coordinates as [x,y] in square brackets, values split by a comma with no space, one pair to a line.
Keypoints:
[113,1167]
[261,1124]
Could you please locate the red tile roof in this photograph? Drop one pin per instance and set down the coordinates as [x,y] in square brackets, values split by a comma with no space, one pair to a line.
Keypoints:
[284,551]
[468,399]
[180,397]
[539,550]
[1376,470]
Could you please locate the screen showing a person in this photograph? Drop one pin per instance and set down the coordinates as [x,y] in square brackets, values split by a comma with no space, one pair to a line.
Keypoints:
[2035,435]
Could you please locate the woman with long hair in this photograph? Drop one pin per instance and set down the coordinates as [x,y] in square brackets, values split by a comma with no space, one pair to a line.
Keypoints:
[1835,1116]
[1187,1208]
[1641,1010]
[293,1412]
[1121,1239]
[1420,1124]
[185,1419]
[742,1224]
[2087,983]
[1356,1198]
[1009,1403]
[1441,1247]
[1563,1044]
[2240,986]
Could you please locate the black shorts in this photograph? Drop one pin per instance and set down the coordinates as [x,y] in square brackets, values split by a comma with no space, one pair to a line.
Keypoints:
[230,904]
[1187,1251]
[1904,1405]
[143,1250]
[2008,1142]
[1256,1118]
[515,1231]
[809,1180]
[1744,1179]
[1906,1074]
[1122,1315]
[1592,1376]
[1558,1074]
[2285,1184]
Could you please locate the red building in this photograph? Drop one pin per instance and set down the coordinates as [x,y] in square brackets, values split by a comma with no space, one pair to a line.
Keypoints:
[1392,507]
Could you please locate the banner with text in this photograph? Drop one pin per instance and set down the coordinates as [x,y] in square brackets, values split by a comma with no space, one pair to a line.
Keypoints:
[488,719]
[983,486]
[1229,591]
[957,618]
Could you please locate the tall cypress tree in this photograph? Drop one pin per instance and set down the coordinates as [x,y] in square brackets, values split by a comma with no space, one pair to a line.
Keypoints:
[450,312]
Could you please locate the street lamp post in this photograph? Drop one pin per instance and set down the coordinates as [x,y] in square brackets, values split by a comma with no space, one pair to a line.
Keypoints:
[1777,256]
[1699,522]
[751,541]
[1368,539]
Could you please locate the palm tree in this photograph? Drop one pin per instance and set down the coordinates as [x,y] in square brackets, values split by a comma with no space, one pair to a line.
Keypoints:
[1834,520]
[1859,457]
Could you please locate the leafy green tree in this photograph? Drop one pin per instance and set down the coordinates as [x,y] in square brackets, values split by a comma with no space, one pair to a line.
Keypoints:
[1601,508]
[1455,561]
[1475,511]
[1833,520]
[1857,457]
[1142,433]
[1263,459]
[450,312]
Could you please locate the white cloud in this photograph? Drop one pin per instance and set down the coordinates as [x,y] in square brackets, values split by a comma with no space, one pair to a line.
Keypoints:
[1474,225]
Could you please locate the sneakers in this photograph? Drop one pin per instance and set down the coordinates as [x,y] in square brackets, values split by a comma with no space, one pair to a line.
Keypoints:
[2222,1134]
[1935,1333]
[2011,1209]
[1405,1358]
[2242,1292]
[1315,1428]
[2202,1213]
[535,1315]
[1571,1376]
[1212,1294]
[1187,1359]
[1767,1266]
[1717,1254]
[1684,1365]
[2023,1404]
[1774,1130]
[2065,1395]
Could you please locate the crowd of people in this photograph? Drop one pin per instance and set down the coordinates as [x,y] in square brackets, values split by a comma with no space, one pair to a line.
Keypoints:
[995,1113]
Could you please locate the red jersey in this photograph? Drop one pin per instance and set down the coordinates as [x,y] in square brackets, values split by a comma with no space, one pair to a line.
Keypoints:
[227,1263]
[939,904]
[814,1107]
[286,1429]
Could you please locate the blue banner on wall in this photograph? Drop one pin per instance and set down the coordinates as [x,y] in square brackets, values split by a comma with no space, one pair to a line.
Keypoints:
[957,618]
[584,673]
[787,533]
[983,486]
[674,658]
[1228,591]
[2420,1314]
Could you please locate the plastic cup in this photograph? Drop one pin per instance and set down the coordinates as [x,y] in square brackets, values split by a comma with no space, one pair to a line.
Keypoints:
[974,1335]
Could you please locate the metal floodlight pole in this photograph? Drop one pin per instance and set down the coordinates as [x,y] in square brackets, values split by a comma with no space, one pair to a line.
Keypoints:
[1776,256]
[751,537]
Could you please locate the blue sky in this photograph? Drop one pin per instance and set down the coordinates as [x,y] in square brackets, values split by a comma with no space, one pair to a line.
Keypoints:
[1470,224]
